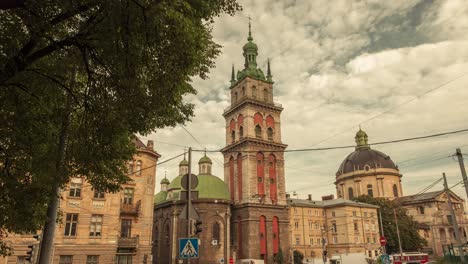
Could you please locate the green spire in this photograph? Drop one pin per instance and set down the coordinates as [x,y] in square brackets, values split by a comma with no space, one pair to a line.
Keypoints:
[250,56]
[361,139]
[233,77]
[250,31]
[269,72]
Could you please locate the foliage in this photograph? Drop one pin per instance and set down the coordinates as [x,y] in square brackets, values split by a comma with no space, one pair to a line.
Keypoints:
[79,78]
[408,227]
[298,257]
[279,257]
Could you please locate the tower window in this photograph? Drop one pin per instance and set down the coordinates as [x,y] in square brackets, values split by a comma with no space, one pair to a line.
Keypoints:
[233,136]
[258,131]
[243,91]
[370,192]
[350,193]
[265,94]
[270,133]
[235,97]
[241,132]
[216,231]
[395,190]
[254,92]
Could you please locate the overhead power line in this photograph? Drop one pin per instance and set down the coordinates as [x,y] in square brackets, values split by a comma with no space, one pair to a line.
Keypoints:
[348,146]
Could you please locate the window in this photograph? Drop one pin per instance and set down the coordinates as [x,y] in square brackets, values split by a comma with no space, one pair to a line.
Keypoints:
[254,92]
[124,259]
[21,260]
[70,225]
[265,94]
[128,196]
[373,227]
[126,228]
[350,193]
[235,97]
[354,213]
[316,226]
[130,167]
[318,241]
[66,259]
[98,194]
[356,239]
[316,213]
[270,133]
[395,190]
[334,227]
[75,189]
[367,226]
[333,213]
[374,240]
[369,190]
[310,225]
[421,209]
[92,259]
[356,227]
[296,224]
[138,168]
[96,226]
[258,131]
[233,136]
[298,240]
[216,229]
[243,91]
[365,214]
[241,132]
[335,240]
[368,239]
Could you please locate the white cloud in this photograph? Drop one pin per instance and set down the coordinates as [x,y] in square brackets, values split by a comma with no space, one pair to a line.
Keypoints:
[334,67]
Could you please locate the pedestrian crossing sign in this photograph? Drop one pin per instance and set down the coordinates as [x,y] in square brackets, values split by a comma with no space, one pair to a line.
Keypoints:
[188,248]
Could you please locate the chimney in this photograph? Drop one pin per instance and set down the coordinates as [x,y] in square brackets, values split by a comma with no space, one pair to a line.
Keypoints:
[150,144]
[309,197]
[328,197]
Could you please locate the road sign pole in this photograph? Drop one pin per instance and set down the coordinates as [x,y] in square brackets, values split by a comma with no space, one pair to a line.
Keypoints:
[189,195]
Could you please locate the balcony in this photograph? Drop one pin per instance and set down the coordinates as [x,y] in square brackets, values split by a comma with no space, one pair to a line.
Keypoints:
[130,209]
[128,242]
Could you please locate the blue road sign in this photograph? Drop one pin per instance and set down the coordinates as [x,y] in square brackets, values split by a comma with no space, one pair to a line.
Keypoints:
[385,259]
[188,248]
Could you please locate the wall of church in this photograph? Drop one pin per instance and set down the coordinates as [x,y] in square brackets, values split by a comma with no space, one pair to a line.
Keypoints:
[378,182]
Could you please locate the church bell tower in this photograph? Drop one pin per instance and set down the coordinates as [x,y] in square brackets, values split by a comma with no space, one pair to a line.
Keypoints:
[254,163]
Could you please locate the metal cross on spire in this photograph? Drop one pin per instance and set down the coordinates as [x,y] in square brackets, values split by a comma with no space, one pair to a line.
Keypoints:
[250,31]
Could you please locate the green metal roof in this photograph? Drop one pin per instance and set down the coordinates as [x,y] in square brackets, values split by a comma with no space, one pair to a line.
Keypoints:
[160,197]
[184,162]
[205,159]
[175,184]
[165,181]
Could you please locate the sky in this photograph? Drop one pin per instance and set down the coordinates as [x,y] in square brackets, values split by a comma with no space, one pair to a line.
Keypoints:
[397,68]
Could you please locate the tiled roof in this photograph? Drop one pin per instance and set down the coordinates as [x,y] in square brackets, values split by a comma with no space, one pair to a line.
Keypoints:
[418,197]
[328,203]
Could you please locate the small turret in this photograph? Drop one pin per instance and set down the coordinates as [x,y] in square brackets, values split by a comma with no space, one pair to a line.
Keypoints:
[183,167]
[164,183]
[204,165]
[361,139]
[233,76]
[269,77]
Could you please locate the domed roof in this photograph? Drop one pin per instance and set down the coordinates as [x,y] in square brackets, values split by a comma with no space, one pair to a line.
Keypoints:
[250,46]
[205,159]
[184,162]
[160,197]
[165,181]
[209,186]
[364,157]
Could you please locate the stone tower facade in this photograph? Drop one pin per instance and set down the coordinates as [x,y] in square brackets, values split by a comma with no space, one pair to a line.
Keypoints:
[254,164]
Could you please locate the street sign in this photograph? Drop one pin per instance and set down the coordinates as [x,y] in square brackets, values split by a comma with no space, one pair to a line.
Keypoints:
[188,248]
[193,181]
[383,241]
[231,260]
[385,259]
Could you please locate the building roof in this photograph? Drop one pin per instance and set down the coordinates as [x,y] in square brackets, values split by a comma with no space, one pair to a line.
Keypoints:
[165,181]
[205,159]
[329,203]
[415,198]
[160,197]
[364,156]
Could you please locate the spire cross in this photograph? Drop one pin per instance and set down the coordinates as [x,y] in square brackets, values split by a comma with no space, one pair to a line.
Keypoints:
[250,32]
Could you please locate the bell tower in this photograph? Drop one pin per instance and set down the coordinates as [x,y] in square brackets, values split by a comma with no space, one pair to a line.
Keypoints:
[254,163]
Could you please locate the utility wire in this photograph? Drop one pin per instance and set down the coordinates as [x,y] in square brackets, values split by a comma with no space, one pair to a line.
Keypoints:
[198,142]
[345,147]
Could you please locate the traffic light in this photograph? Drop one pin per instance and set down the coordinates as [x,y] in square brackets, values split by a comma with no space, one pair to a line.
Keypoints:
[29,253]
[198,227]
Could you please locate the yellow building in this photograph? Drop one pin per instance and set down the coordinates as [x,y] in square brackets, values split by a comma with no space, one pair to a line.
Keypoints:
[338,226]
[101,227]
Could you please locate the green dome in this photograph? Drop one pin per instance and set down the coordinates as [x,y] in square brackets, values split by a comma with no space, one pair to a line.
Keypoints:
[165,181]
[184,162]
[209,186]
[250,46]
[205,159]
[160,197]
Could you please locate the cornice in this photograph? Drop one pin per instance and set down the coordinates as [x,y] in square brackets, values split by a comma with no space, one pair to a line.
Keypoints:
[249,101]
[238,145]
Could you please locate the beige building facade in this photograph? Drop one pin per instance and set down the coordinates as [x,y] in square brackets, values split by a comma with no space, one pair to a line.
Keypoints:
[338,226]
[97,227]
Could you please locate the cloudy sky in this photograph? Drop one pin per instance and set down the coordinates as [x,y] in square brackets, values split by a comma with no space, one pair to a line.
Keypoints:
[398,68]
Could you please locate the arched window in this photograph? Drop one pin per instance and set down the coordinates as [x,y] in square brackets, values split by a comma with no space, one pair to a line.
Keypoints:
[272,176]
[275,227]
[265,94]
[350,193]
[231,177]
[235,97]
[239,177]
[167,234]
[130,167]
[260,175]
[270,133]
[243,91]
[138,167]
[233,136]
[216,230]
[254,91]
[241,132]
[369,190]
[395,190]
[421,209]
[258,131]
[263,239]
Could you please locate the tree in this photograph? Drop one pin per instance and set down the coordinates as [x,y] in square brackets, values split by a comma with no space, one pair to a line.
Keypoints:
[79,78]
[298,257]
[279,258]
[410,238]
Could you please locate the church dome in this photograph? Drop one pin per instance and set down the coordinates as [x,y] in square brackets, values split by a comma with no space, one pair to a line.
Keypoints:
[250,46]
[365,158]
[160,197]
[165,181]
[184,162]
[205,159]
